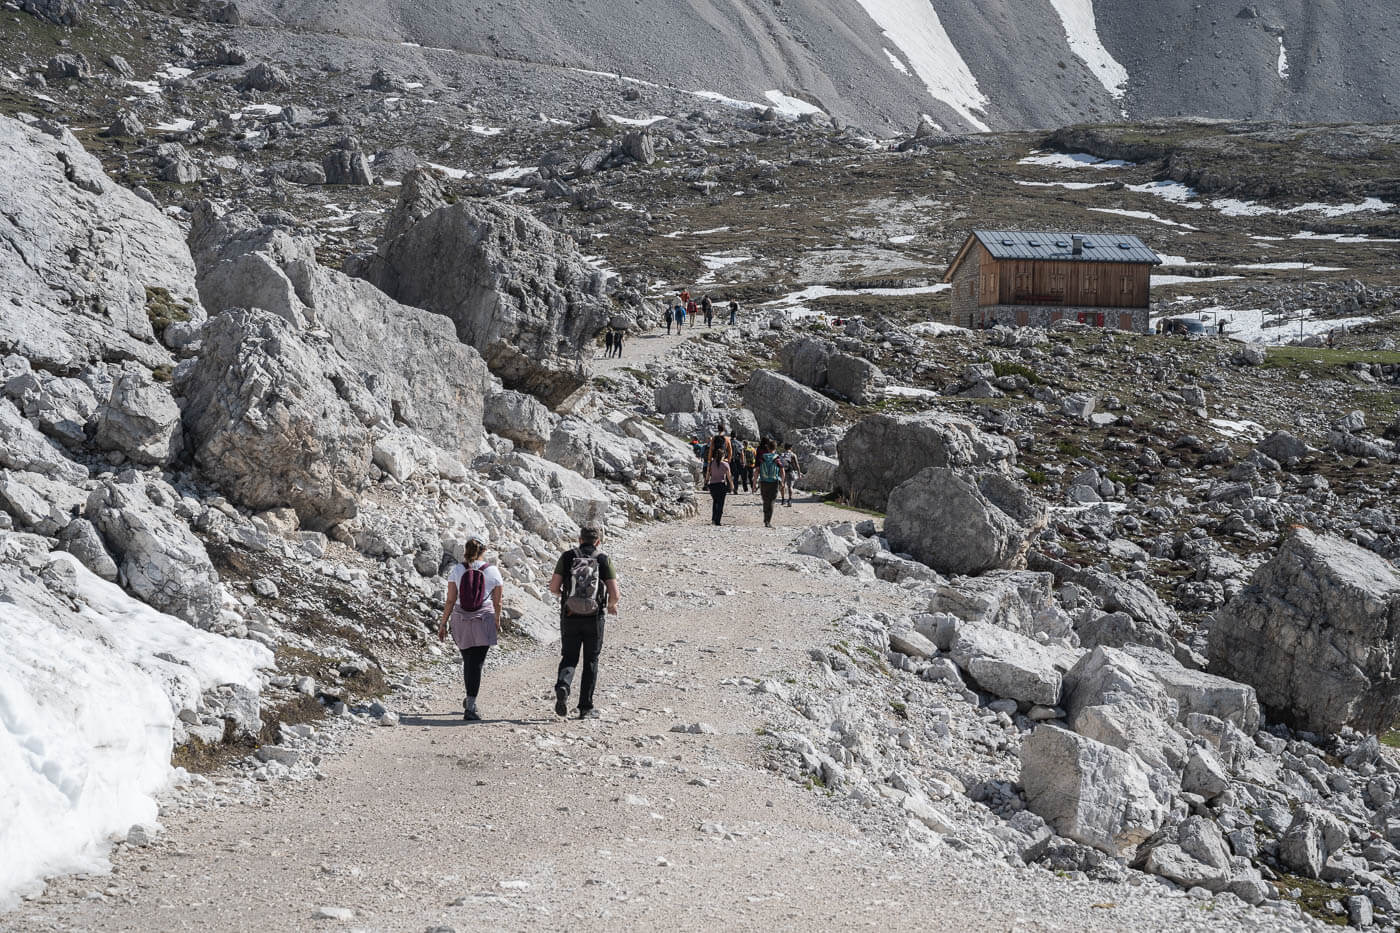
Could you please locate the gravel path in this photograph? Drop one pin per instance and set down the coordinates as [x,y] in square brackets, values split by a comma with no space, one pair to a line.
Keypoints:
[527,821]
[638,349]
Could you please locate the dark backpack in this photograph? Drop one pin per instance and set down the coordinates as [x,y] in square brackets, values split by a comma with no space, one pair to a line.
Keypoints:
[471,590]
[585,585]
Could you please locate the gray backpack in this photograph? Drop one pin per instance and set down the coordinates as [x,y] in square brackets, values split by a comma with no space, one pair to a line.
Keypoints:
[585,585]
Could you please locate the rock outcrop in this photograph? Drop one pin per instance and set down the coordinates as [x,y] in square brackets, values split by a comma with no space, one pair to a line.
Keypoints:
[518,292]
[882,451]
[1089,792]
[393,364]
[266,423]
[1317,634]
[963,523]
[783,406]
[91,271]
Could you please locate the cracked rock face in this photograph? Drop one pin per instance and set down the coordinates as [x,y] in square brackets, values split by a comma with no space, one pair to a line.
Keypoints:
[82,259]
[1317,634]
[515,290]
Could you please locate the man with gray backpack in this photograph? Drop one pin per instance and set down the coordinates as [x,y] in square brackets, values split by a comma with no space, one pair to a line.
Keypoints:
[586,584]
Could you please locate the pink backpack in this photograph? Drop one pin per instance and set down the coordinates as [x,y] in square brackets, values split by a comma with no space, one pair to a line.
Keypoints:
[471,590]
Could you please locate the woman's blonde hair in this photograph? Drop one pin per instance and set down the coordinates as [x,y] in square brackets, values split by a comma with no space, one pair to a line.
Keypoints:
[473,550]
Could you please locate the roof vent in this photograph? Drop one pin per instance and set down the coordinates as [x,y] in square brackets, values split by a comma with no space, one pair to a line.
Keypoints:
[1032,243]
[1061,244]
[1008,243]
[1078,245]
[1125,246]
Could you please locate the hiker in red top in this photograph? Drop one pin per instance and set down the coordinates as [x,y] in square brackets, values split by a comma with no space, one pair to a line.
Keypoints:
[473,613]
[692,311]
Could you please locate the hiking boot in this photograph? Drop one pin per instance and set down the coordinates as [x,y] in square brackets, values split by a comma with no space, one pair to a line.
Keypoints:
[588,714]
[561,701]
[471,715]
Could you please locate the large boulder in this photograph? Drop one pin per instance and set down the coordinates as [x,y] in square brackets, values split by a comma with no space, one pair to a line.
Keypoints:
[1008,664]
[90,271]
[159,559]
[881,451]
[138,417]
[963,523]
[58,12]
[583,500]
[1201,692]
[1088,791]
[1317,634]
[805,361]
[782,406]
[266,423]
[1019,600]
[677,397]
[740,422]
[395,365]
[852,377]
[518,417]
[515,290]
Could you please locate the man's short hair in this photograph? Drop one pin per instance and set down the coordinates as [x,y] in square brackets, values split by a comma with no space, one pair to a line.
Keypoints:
[589,535]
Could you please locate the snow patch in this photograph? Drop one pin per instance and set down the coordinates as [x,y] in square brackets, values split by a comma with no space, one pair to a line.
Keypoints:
[1073,160]
[1070,185]
[1282,59]
[894,60]
[1164,280]
[1291,265]
[1337,237]
[174,126]
[915,29]
[1082,31]
[1255,325]
[512,173]
[88,704]
[636,121]
[1141,215]
[449,171]
[480,130]
[791,106]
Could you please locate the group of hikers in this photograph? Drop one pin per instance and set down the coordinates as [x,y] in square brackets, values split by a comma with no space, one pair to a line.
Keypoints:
[731,465]
[586,583]
[612,342]
[687,308]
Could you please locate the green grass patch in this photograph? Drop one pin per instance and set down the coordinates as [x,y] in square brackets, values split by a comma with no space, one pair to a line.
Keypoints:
[1005,369]
[1313,897]
[162,310]
[1323,363]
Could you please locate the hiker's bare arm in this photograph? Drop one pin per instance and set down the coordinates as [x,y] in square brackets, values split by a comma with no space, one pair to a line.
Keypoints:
[496,605]
[447,610]
[556,584]
[614,597]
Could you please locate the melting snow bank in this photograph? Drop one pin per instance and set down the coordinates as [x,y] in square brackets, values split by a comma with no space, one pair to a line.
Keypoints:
[1073,160]
[1255,325]
[1082,33]
[915,29]
[1185,196]
[92,683]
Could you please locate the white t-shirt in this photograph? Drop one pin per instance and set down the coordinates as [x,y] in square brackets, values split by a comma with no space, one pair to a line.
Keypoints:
[492,572]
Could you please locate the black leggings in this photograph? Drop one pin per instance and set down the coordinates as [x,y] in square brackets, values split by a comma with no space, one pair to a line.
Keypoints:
[769,492]
[717,493]
[473,659]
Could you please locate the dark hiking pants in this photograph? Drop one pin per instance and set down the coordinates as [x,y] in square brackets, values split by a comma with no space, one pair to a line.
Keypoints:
[473,659]
[717,493]
[769,492]
[580,634]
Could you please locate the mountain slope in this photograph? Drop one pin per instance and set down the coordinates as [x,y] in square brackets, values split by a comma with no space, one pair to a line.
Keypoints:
[970,64]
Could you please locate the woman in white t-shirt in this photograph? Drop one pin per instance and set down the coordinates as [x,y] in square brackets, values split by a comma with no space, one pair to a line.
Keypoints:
[474,628]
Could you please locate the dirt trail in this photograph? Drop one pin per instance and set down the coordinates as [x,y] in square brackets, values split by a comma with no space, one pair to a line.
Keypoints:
[638,349]
[528,821]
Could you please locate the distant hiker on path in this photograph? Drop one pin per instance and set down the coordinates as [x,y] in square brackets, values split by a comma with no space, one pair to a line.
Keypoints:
[586,584]
[668,317]
[791,470]
[770,477]
[718,475]
[708,306]
[747,458]
[617,342]
[473,614]
[733,312]
[692,311]
[680,317]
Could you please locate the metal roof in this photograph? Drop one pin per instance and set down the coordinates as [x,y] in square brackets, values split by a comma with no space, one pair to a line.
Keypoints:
[1098,247]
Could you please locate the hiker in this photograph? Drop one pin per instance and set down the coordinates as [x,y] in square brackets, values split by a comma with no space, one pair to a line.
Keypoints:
[617,343]
[708,307]
[692,311]
[680,317]
[770,477]
[718,476]
[1220,326]
[473,614]
[733,312]
[727,449]
[611,342]
[586,584]
[747,458]
[699,449]
[685,296]
[668,317]
[790,472]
